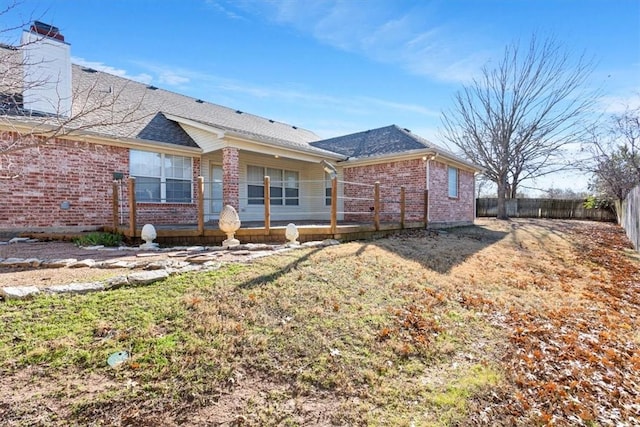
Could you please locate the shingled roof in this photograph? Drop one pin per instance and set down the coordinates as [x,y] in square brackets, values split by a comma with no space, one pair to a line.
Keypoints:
[375,142]
[151,103]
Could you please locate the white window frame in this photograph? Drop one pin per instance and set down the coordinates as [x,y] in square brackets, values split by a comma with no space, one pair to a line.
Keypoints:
[327,189]
[453,179]
[281,200]
[163,176]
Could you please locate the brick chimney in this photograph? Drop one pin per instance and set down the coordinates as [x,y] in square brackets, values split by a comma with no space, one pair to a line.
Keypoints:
[47,70]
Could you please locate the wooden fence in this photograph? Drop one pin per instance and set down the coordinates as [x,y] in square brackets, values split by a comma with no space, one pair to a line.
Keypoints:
[544,208]
[630,216]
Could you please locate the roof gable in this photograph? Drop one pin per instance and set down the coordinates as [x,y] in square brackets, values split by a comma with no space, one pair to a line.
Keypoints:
[161,129]
[374,142]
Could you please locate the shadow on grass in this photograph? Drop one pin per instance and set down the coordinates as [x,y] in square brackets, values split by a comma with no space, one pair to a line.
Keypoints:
[269,278]
[440,251]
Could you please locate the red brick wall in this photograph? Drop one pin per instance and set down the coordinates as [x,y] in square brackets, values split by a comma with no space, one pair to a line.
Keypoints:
[231,177]
[80,173]
[442,208]
[408,173]
[73,171]
[412,175]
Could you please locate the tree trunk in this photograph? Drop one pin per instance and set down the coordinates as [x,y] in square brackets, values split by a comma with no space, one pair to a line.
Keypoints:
[502,207]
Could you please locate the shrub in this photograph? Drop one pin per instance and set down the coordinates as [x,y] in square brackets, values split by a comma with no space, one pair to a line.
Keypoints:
[98,238]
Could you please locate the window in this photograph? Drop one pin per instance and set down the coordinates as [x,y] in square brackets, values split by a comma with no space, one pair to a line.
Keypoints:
[453,182]
[161,177]
[327,189]
[284,188]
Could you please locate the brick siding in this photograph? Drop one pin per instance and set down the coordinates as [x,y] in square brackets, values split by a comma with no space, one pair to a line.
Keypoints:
[80,173]
[231,177]
[392,175]
[358,199]
[442,208]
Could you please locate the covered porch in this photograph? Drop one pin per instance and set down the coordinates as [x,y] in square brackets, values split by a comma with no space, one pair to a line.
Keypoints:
[377,210]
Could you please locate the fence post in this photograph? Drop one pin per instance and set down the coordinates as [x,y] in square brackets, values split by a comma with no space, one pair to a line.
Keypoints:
[426,208]
[267,205]
[132,206]
[115,207]
[402,206]
[200,205]
[376,205]
[334,204]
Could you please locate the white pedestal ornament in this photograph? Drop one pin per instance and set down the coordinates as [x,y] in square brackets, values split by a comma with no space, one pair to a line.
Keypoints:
[148,234]
[291,233]
[229,223]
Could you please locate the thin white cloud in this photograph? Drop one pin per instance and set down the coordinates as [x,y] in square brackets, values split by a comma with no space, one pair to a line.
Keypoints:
[415,38]
[172,79]
[142,77]
[616,104]
[218,7]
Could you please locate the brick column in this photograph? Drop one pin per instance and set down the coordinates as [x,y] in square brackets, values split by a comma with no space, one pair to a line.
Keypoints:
[231,177]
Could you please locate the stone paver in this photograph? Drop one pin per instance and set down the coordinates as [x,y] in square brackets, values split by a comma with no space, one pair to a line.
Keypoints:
[192,258]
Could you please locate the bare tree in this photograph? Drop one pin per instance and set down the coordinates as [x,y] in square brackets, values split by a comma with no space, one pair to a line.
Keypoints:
[517,119]
[94,105]
[615,161]
[565,193]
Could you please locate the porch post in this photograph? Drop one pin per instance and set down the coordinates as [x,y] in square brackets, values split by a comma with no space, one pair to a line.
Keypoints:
[402,206]
[132,206]
[231,177]
[200,205]
[267,205]
[334,204]
[116,203]
[376,205]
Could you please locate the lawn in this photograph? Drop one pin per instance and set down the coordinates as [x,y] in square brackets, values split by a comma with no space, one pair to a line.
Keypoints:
[504,323]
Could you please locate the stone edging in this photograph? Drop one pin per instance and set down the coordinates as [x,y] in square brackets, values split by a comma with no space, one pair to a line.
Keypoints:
[195,258]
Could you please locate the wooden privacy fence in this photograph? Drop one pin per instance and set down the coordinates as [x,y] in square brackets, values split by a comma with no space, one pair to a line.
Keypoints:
[629,212]
[544,208]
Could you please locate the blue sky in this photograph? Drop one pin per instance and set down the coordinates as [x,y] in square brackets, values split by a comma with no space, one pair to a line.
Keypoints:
[337,67]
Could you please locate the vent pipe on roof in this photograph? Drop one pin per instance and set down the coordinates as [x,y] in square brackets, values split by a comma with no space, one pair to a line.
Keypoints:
[46,70]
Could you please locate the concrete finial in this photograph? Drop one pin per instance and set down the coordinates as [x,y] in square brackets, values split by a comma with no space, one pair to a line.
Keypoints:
[291,233]
[229,223]
[148,234]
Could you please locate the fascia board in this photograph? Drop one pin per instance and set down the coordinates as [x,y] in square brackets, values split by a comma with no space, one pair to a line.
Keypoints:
[96,138]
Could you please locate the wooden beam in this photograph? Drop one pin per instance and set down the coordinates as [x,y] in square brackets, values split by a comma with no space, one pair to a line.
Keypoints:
[132,206]
[115,207]
[334,204]
[200,204]
[376,205]
[402,206]
[267,205]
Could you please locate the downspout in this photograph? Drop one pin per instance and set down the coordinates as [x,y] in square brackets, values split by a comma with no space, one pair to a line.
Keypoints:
[428,161]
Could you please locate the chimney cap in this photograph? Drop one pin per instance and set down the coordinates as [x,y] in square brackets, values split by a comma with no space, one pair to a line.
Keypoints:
[39,27]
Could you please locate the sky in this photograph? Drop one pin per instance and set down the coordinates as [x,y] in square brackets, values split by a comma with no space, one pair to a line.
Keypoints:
[340,66]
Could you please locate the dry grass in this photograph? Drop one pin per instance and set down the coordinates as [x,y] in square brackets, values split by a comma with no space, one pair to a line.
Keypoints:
[505,323]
